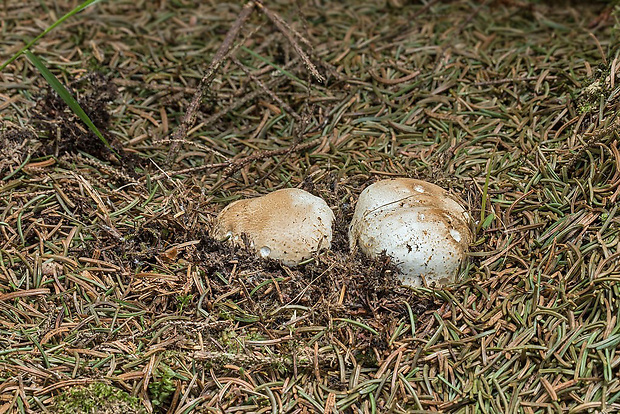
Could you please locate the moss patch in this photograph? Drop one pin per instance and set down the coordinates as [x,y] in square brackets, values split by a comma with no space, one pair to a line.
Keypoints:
[97,398]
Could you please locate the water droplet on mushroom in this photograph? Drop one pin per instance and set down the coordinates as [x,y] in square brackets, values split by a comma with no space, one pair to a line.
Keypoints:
[419,188]
[264,251]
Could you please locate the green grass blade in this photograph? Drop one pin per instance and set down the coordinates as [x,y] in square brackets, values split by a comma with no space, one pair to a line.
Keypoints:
[358,324]
[49,29]
[66,96]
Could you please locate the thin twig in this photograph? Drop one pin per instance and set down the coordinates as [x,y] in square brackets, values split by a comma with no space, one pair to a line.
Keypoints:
[290,35]
[220,56]
[233,166]
[244,99]
[269,92]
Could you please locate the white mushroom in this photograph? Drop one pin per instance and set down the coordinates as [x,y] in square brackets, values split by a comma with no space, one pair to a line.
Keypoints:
[418,224]
[288,225]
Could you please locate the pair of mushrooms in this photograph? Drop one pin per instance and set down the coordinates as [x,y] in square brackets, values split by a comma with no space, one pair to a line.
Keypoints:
[416,223]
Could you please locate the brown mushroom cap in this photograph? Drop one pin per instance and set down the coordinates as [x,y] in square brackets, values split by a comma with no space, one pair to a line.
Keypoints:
[288,225]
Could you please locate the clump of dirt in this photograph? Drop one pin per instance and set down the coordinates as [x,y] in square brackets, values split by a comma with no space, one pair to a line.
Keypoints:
[63,132]
[15,146]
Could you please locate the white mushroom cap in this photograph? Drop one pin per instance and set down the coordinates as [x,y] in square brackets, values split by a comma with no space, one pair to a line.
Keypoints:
[288,225]
[418,224]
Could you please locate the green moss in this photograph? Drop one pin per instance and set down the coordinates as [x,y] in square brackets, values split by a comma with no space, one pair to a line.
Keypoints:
[162,389]
[96,398]
[183,301]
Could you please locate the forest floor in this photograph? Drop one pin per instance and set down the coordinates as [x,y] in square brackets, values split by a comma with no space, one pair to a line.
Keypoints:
[115,298]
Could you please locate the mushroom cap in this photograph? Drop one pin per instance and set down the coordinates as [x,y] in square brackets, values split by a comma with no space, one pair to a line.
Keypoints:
[288,225]
[418,224]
